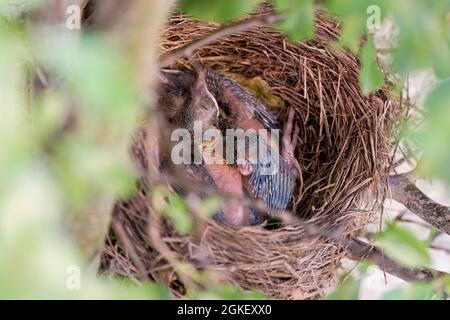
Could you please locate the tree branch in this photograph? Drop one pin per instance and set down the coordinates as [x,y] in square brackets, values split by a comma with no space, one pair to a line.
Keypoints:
[406,192]
[186,51]
[360,250]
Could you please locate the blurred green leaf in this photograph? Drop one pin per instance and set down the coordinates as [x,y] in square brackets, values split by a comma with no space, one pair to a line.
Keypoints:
[446,284]
[218,10]
[97,74]
[160,198]
[15,8]
[347,290]
[414,291]
[174,207]
[401,245]
[364,266]
[179,215]
[123,288]
[299,23]
[15,142]
[228,292]
[99,91]
[355,16]
[417,21]
[351,33]
[87,169]
[433,233]
[208,207]
[433,137]
[36,251]
[370,78]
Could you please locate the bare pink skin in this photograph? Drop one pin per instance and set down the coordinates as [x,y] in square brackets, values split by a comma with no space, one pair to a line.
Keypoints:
[229,180]
[247,120]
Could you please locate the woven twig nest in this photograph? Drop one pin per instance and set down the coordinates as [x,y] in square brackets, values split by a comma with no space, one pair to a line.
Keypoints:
[344,153]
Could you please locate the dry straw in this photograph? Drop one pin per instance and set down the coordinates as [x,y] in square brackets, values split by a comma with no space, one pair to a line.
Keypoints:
[344,150]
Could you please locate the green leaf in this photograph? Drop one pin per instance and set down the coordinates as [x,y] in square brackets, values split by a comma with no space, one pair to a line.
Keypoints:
[299,22]
[356,16]
[97,74]
[87,169]
[15,8]
[178,214]
[208,207]
[123,288]
[364,266]
[371,78]
[347,290]
[433,137]
[433,232]
[173,207]
[402,246]
[229,292]
[159,198]
[446,284]
[218,10]
[15,132]
[414,291]
[351,33]
[417,21]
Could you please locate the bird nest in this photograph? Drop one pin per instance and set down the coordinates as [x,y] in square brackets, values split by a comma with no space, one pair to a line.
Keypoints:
[344,147]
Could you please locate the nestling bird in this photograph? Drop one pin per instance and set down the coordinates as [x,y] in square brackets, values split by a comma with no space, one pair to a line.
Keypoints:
[219,102]
[240,110]
[184,98]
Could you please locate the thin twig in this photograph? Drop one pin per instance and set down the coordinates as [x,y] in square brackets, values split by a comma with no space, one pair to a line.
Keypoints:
[186,51]
[439,248]
[422,224]
[129,248]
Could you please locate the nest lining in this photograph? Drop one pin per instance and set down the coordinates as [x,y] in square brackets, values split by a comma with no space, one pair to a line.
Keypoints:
[343,149]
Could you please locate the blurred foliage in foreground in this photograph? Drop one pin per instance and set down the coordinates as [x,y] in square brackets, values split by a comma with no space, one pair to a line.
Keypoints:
[63,153]
[351,286]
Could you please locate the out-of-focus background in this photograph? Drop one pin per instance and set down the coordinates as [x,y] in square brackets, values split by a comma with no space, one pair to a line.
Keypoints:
[377,282]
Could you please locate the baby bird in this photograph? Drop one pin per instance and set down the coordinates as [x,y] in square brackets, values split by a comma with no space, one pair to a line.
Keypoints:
[240,110]
[184,98]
